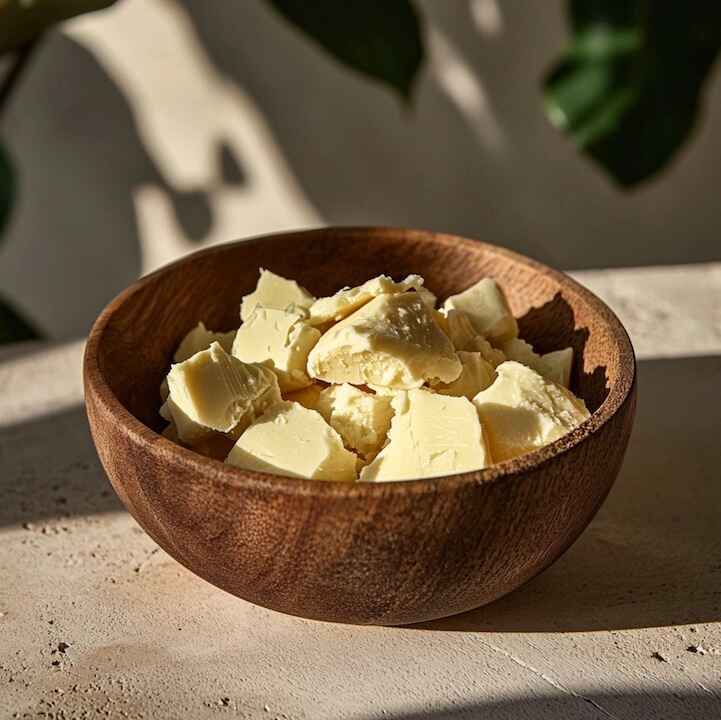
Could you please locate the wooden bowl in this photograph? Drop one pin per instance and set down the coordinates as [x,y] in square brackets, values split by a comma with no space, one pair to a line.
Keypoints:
[385,553]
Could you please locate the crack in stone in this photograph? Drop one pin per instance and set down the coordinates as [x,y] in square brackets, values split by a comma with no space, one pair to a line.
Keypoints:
[549,680]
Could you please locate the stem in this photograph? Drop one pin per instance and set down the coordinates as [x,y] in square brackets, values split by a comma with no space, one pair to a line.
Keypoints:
[12,76]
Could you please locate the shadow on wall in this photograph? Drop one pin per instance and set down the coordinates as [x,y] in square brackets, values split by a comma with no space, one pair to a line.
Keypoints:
[640,705]
[496,171]
[474,157]
[74,241]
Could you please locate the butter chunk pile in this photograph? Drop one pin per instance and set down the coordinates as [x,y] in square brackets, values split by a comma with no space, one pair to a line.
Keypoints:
[373,384]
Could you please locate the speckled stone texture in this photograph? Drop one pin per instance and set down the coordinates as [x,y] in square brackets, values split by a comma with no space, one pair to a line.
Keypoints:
[96,621]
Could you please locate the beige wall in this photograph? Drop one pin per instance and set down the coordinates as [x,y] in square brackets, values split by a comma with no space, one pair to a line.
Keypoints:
[147,131]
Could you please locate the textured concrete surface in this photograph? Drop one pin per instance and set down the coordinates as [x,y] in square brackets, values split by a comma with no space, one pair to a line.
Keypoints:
[96,621]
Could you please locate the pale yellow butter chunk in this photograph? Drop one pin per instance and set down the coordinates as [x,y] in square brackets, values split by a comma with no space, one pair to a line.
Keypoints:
[490,354]
[430,435]
[487,308]
[170,432]
[476,374]
[308,397]
[442,321]
[279,340]
[382,390]
[520,351]
[522,411]
[554,366]
[558,365]
[348,300]
[216,391]
[200,338]
[458,327]
[186,430]
[392,341]
[427,296]
[465,337]
[292,440]
[278,293]
[360,418]
[206,442]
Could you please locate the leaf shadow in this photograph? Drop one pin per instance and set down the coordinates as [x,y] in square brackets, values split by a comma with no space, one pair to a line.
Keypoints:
[80,160]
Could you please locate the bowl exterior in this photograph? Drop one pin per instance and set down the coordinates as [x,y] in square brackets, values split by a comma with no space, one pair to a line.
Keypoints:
[390,553]
[394,559]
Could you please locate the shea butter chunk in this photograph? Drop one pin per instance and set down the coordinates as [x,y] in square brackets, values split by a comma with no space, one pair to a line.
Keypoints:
[217,391]
[383,390]
[279,340]
[215,445]
[557,366]
[348,300]
[465,337]
[490,354]
[279,293]
[458,327]
[171,432]
[200,338]
[292,440]
[430,435]
[308,397]
[522,411]
[554,366]
[362,419]
[520,351]
[391,341]
[427,296]
[487,308]
[476,374]
[442,322]
[186,430]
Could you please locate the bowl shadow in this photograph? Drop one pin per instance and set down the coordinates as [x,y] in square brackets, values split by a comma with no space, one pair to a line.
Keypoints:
[639,703]
[652,556]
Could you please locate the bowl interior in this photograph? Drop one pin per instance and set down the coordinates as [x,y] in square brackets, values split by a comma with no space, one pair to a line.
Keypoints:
[145,324]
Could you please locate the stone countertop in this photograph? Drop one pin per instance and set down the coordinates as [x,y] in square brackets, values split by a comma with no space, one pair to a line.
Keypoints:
[97,621]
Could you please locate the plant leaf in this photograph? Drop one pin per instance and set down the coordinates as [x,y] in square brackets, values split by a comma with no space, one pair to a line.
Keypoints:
[379,38]
[7,188]
[628,87]
[21,21]
[13,326]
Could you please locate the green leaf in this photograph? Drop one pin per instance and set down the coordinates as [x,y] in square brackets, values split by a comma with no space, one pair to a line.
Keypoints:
[379,38]
[13,326]
[22,20]
[628,88]
[7,188]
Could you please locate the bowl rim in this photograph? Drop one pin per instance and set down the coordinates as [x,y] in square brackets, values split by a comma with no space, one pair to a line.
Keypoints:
[150,441]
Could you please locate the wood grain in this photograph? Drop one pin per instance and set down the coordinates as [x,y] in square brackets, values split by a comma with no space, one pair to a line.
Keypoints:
[386,553]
